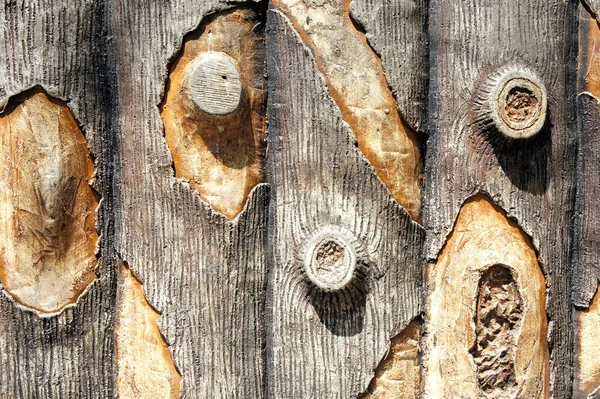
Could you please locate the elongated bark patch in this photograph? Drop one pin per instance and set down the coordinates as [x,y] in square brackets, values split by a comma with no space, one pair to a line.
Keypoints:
[356,81]
[145,369]
[399,373]
[214,110]
[47,223]
[486,319]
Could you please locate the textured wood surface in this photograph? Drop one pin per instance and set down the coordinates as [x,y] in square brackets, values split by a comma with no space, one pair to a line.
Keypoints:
[322,182]
[356,82]
[47,212]
[66,50]
[204,274]
[532,180]
[398,375]
[588,175]
[233,296]
[587,244]
[216,136]
[144,366]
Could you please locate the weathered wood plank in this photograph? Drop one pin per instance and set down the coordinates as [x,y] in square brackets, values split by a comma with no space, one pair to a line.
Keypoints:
[203,273]
[67,51]
[533,180]
[329,208]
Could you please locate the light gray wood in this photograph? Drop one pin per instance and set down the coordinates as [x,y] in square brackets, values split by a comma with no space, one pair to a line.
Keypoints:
[328,343]
[397,32]
[204,274]
[67,51]
[533,181]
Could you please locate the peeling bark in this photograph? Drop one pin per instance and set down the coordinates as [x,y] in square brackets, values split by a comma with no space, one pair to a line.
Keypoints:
[357,84]
[399,373]
[214,109]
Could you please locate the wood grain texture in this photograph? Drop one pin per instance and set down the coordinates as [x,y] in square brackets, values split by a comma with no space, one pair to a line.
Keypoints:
[397,32]
[587,366]
[534,180]
[399,373]
[66,51]
[486,320]
[316,338]
[203,273]
[356,82]
[587,229]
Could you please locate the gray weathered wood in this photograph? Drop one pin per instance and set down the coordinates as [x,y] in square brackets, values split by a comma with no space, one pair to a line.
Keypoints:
[532,180]
[206,275]
[327,344]
[67,51]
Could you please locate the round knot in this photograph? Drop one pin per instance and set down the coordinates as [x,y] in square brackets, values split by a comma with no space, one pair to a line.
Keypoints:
[514,101]
[330,260]
[213,83]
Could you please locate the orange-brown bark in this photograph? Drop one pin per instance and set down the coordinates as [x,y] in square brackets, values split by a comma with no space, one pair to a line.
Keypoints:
[486,319]
[215,138]
[145,369]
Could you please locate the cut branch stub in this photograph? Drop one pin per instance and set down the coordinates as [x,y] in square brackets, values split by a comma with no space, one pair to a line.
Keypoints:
[213,83]
[330,259]
[513,101]
[48,236]
[214,109]
[487,277]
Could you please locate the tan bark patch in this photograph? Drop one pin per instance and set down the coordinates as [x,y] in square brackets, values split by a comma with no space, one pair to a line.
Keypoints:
[356,81]
[589,53]
[48,234]
[214,110]
[399,374]
[588,342]
[486,319]
[145,369]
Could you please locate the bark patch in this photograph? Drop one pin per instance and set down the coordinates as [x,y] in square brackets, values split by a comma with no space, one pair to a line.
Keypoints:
[214,110]
[145,369]
[47,206]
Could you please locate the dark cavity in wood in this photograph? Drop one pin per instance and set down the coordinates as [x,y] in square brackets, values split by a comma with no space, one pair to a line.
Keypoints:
[497,325]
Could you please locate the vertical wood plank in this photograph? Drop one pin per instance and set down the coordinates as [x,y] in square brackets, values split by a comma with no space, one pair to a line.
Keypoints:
[325,341]
[533,180]
[67,51]
[203,273]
